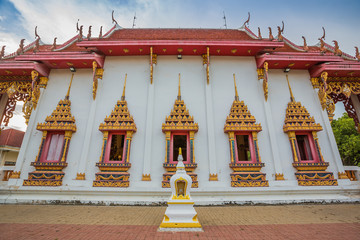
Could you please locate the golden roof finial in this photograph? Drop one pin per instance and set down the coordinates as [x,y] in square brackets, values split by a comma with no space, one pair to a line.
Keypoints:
[68,92]
[123,94]
[180,152]
[179,93]
[292,99]
[236,92]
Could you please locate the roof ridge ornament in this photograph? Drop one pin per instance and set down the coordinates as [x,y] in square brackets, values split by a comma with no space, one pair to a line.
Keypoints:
[2,53]
[100,34]
[259,33]
[247,21]
[89,33]
[271,37]
[113,19]
[357,54]
[306,48]
[54,44]
[21,47]
[280,31]
[36,34]
[337,50]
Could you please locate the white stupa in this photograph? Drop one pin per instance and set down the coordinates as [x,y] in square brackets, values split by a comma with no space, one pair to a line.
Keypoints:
[180,214]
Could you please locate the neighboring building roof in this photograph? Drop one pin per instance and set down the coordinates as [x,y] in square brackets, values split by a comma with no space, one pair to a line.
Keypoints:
[11,137]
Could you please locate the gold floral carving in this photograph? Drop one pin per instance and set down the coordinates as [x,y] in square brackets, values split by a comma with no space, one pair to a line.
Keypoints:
[250,184]
[279,176]
[213,177]
[50,183]
[146,177]
[318,183]
[80,176]
[97,74]
[342,175]
[15,174]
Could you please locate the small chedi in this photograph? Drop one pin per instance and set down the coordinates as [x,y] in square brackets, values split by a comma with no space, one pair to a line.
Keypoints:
[180,213]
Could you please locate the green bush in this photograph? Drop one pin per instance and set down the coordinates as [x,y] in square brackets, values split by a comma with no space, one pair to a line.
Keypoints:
[347,139]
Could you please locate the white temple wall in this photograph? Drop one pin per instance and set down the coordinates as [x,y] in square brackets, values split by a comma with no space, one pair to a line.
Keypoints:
[193,84]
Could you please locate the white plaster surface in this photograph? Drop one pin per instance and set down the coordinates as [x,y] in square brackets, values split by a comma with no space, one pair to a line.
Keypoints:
[193,86]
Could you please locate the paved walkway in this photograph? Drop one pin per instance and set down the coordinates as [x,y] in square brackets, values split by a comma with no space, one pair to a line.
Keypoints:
[332,221]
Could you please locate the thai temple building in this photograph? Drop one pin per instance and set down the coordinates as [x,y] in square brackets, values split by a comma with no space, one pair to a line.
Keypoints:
[107,114]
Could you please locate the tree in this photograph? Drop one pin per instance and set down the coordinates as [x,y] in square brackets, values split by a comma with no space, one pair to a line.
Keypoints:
[347,139]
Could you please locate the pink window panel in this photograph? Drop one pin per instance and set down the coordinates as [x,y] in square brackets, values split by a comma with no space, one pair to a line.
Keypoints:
[305,146]
[55,147]
[244,148]
[180,139]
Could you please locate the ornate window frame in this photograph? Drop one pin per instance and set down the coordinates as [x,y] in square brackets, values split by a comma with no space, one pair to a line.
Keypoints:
[241,122]
[49,173]
[114,173]
[297,122]
[178,122]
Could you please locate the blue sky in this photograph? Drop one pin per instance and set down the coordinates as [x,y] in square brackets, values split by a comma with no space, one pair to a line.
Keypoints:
[57,18]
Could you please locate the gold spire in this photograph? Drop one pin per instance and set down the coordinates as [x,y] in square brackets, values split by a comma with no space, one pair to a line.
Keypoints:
[179,93]
[292,99]
[68,92]
[180,152]
[236,92]
[123,94]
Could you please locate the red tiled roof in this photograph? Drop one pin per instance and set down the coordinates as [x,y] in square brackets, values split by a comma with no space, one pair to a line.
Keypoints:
[11,137]
[178,34]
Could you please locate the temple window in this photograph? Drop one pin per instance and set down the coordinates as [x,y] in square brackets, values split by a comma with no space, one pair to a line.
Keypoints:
[114,162]
[302,130]
[179,129]
[179,141]
[244,148]
[245,160]
[306,147]
[53,146]
[116,151]
[56,135]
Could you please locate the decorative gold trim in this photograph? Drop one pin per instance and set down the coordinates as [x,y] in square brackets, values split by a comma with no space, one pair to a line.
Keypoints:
[15,175]
[342,175]
[213,177]
[80,176]
[279,177]
[146,177]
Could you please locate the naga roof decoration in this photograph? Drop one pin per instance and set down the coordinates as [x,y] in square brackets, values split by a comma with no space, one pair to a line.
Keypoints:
[240,118]
[61,118]
[179,118]
[120,118]
[297,117]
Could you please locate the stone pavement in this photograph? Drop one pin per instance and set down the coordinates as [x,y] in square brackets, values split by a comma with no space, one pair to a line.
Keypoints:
[330,221]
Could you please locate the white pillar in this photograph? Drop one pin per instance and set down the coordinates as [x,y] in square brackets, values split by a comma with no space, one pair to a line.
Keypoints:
[25,143]
[84,160]
[213,176]
[330,135]
[356,103]
[275,155]
[148,133]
